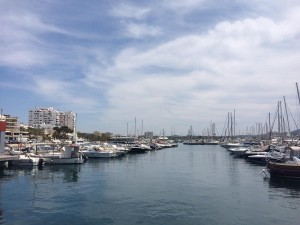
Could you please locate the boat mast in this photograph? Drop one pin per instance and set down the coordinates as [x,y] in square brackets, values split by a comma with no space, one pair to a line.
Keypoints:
[74,128]
[228,125]
[287,118]
[234,122]
[134,127]
[298,92]
[142,127]
[278,119]
[270,128]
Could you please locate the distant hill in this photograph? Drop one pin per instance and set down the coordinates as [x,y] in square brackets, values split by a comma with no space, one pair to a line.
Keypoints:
[295,132]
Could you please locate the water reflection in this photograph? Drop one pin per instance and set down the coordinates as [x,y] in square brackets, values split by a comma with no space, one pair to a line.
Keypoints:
[1,216]
[13,172]
[290,187]
[70,173]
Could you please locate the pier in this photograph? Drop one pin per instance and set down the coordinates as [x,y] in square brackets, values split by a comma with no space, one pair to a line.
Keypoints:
[6,158]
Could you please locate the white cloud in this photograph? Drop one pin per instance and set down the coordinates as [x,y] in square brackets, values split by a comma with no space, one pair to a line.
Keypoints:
[233,66]
[65,92]
[21,45]
[141,30]
[183,5]
[129,11]
[30,22]
[190,79]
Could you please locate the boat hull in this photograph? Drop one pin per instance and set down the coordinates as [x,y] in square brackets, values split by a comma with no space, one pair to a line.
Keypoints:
[99,154]
[53,161]
[284,170]
[26,161]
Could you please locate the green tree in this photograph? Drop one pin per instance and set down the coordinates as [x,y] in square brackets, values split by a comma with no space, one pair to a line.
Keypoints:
[61,132]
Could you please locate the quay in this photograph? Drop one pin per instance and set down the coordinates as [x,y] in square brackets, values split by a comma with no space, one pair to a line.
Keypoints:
[6,158]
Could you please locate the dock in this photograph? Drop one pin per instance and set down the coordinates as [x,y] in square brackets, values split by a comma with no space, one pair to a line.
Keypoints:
[6,158]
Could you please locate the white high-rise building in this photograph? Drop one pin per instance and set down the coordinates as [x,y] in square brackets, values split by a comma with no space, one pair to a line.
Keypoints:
[40,116]
[50,117]
[67,119]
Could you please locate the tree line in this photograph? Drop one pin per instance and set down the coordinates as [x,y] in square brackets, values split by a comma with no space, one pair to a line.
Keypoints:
[63,131]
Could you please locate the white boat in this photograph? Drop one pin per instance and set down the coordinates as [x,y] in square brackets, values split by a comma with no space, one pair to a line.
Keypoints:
[229,145]
[260,157]
[239,151]
[139,148]
[93,153]
[27,160]
[15,152]
[70,155]
[120,150]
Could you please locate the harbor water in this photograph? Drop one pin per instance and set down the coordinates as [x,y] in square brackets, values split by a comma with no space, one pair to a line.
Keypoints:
[184,185]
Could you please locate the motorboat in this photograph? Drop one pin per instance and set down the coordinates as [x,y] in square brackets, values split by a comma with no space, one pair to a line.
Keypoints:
[288,168]
[69,154]
[27,160]
[229,145]
[139,148]
[93,153]
[260,157]
[238,151]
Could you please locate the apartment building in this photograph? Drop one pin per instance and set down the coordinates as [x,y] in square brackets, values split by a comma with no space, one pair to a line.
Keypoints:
[50,117]
[13,131]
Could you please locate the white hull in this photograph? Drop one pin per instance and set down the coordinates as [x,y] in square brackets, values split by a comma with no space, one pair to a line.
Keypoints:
[238,150]
[99,154]
[27,161]
[70,155]
[78,160]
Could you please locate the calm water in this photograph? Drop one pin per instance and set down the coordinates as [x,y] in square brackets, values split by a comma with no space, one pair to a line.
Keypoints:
[184,185]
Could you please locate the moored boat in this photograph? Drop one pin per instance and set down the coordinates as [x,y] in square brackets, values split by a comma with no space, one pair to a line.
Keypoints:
[286,168]
[69,155]
[139,148]
[289,169]
[238,151]
[92,153]
[27,160]
[229,145]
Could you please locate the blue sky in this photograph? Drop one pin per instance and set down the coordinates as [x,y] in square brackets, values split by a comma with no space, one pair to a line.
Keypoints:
[169,64]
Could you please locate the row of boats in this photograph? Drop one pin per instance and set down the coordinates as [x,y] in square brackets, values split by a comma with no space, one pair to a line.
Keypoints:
[280,160]
[78,154]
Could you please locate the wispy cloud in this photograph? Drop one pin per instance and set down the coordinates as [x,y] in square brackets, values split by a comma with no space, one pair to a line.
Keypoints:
[141,30]
[64,92]
[129,11]
[21,45]
[169,63]
[184,5]
[214,70]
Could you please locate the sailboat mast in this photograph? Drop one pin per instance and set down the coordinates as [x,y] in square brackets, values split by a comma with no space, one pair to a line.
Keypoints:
[74,127]
[287,117]
[270,126]
[134,127]
[234,122]
[142,127]
[298,92]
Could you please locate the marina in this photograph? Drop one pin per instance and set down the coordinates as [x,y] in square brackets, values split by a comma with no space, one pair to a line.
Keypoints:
[149,112]
[189,184]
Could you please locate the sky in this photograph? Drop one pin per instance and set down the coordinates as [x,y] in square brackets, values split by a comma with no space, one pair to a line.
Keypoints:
[159,65]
